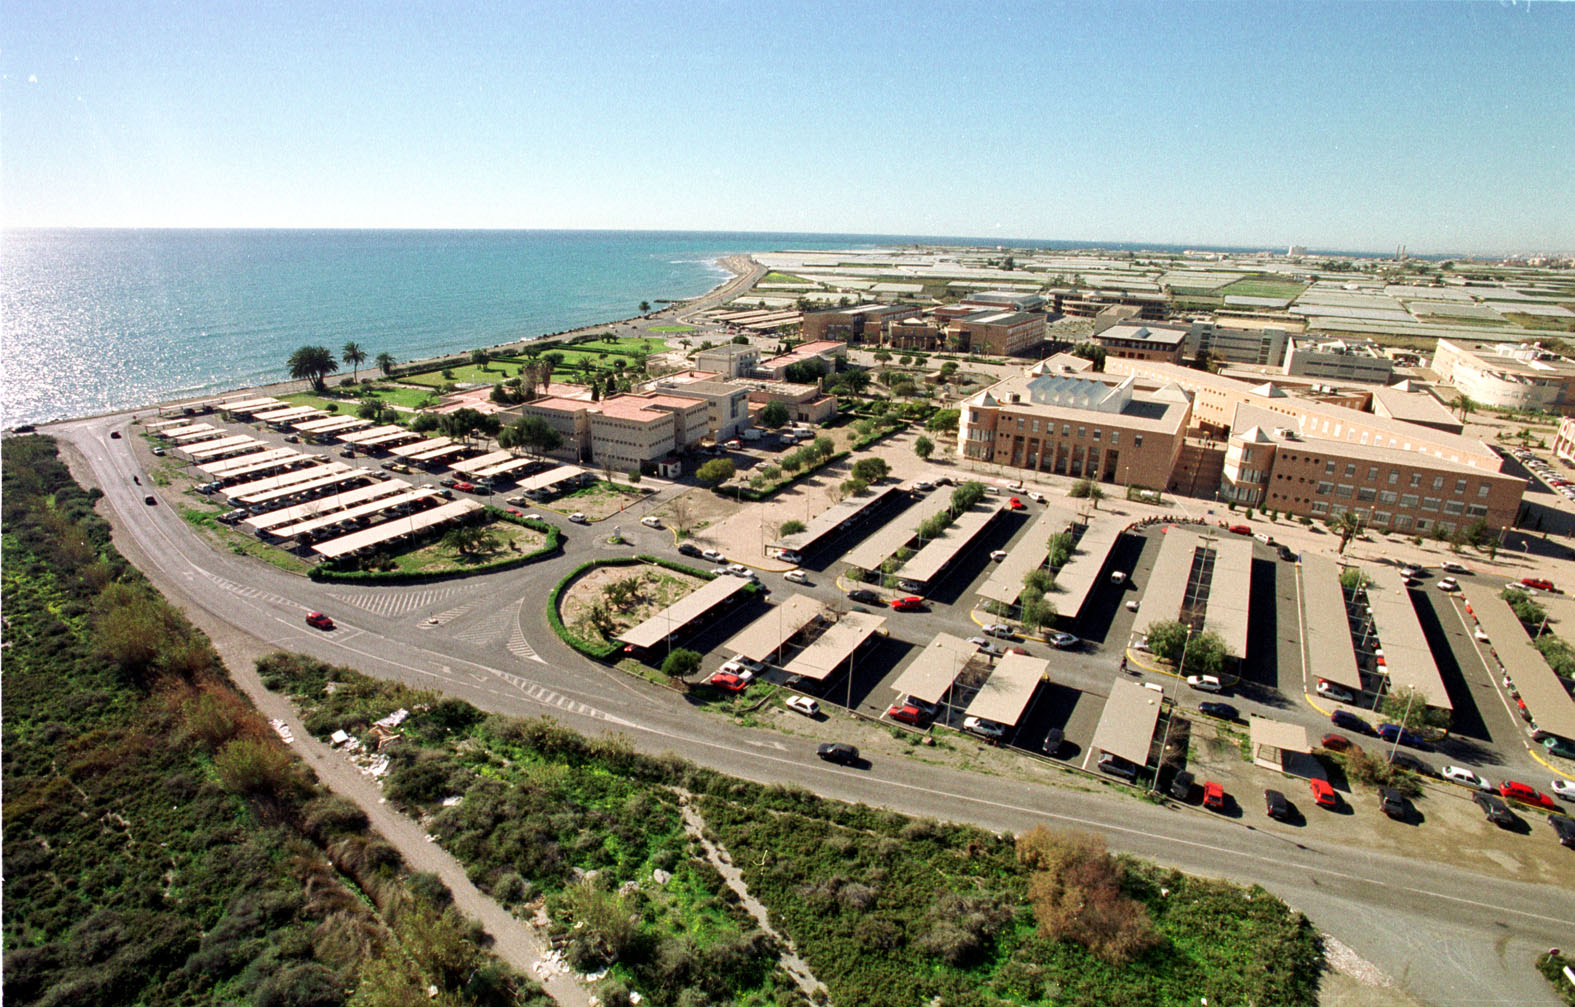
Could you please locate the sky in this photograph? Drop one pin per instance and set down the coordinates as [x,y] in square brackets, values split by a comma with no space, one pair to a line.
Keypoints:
[1447,127]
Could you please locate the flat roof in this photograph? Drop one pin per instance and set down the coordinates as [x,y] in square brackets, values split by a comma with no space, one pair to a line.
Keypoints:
[326,505]
[832,518]
[431,454]
[939,551]
[932,672]
[875,550]
[834,646]
[1166,590]
[361,436]
[1415,407]
[1230,599]
[197,431]
[480,462]
[1126,727]
[1326,624]
[331,424]
[551,477]
[1277,734]
[504,468]
[1005,694]
[1029,554]
[234,493]
[397,434]
[1407,657]
[426,444]
[1074,580]
[250,405]
[319,481]
[1540,688]
[311,524]
[399,528]
[761,639]
[287,414]
[682,612]
[228,467]
[203,449]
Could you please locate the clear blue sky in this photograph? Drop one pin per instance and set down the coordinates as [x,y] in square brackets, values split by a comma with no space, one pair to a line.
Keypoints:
[1444,126]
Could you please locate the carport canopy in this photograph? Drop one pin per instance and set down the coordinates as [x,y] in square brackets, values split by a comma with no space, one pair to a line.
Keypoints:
[1407,657]
[1029,554]
[1126,727]
[1326,625]
[832,518]
[932,672]
[1167,581]
[1005,694]
[1229,595]
[836,645]
[1272,740]
[1076,579]
[1539,686]
[763,638]
[682,612]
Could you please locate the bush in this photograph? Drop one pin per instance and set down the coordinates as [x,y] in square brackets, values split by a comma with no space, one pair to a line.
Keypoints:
[871,470]
[791,528]
[681,663]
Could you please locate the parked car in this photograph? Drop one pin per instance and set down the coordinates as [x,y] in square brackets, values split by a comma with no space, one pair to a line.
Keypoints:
[1462,775]
[729,681]
[998,555]
[803,704]
[908,604]
[1036,496]
[998,629]
[150,500]
[987,646]
[789,556]
[796,576]
[1392,803]
[1563,789]
[864,596]
[1337,743]
[1118,577]
[1055,738]
[1564,827]
[579,518]
[1405,760]
[738,570]
[1514,790]
[1448,584]
[1132,605]
[318,620]
[840,753]
[465,487]
[688,549]
[1015,504]
[1495,810]
[987,729]
[736,667]
[1204,683]
[1350,721]
[1323,794]
[906,713]
[651,521]
[158,452]
[1213,796]
[1275,805]
[1181,785]
[1288,554]
[1115,765]
[1538,583]
[1224,711]
[1394,732]
[1241,529]
[1412,570]
[1140,643]
[1450,566]
[1334,692]
[713,555]
[1264,537]
[1064,641]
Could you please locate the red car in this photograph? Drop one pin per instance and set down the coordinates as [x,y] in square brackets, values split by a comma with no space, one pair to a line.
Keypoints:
[1538,583]
[912,603]
[318,620]
[1241,529]
[1323,794]
[729,681]
[1516,791]
[1213,796]
[465,487]
[907,715]
[1015,504]
[1336,743]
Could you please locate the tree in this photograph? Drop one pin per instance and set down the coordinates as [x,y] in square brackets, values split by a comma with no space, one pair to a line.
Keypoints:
[882,355]
[1166,639]
[355,357]
[1037,610]
[385,363]
[1087,489]
[312,363]
[480,358]
[823,446]
[681,663]
[1347,526]
[467,539]
[853,487]
[716,472]
[773,415]
[1092,352]
[856,381]
[923,447]
[1206,654]
[871,470]
[532,433]
[944,421]
[645,307]
[1467,405]
[371,409]
[1408,707]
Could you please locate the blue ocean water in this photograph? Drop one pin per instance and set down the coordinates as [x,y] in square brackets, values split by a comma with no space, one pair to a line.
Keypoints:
[102,320]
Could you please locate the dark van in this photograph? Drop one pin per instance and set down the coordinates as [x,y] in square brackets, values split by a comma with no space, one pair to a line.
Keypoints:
[1350,721]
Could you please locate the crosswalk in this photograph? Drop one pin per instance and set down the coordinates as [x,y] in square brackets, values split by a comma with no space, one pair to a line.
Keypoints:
[542,694]
[247,591]
[393,603]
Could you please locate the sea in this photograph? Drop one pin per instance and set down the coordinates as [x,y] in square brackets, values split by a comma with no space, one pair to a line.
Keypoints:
[95,321]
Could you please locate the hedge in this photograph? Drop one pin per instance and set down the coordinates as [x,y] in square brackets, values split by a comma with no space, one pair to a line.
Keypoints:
[325,573]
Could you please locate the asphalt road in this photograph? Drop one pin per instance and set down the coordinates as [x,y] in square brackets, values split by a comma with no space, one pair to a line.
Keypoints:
[1447,935]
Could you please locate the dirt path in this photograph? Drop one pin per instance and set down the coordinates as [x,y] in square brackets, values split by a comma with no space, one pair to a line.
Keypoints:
[795,966]
[515,942]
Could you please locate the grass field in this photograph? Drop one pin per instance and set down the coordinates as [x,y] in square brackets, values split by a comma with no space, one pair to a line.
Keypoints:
[776,277]
[436,557]
[1263,286]
[672,328]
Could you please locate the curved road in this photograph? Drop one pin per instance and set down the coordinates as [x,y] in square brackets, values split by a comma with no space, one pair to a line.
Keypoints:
[1446,935]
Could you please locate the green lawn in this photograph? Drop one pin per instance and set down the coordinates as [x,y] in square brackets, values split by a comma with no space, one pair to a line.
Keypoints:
[1263,286]
[672,328]
[776,277]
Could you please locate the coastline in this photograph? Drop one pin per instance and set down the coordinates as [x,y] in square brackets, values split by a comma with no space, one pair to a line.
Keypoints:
[745,272]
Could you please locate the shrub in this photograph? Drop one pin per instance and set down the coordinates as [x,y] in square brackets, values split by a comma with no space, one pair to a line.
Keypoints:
[1076,894]
[791,527]
[681,663]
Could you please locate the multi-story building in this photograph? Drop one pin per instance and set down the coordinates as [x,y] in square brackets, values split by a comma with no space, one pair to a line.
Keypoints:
[1151,341]
[1000,333]
[805,403]
[1413,404]
[727,403]
[623,431]
[862,323]
[1006,300]
[730,360]
[1339,360]
[1507,375]
[1076,425]
[570,417]
[824,350]
[916,332]
[1227,343]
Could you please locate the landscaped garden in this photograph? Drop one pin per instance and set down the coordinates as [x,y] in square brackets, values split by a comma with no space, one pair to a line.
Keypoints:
[597,500]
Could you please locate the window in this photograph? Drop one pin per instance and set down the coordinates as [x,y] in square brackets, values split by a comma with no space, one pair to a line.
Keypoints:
[1324,489]
[1394,477]
[1460,486]
[1320,507]
[1366,495]
[1476,510]
[1137,440]
[1115,437]
[1408,500]
[1350,469]
[1372,473]
[1034,426]
[1423,524]
[1381,517]
[1454,507]
[1387,497]
[1344,491]
[1328,468]
[1438,482]
[1416,480]
[1337,510]
[1097,433]
[1066,430]
[1482,491]
[1402,522]
[1430,503]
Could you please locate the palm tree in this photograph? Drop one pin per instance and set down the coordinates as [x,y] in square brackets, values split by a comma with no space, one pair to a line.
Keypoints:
[312,363]
[645,307]
[385,363]
[355,357]
[1466,405]
[1347,525]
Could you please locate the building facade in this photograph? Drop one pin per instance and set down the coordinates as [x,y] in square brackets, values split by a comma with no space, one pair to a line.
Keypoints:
[863,323]
[1143,342]
[1339,360]
[730,360]
[998,333]
[1508,376]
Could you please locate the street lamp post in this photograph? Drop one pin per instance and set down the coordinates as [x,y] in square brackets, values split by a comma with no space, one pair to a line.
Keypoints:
[1164,741]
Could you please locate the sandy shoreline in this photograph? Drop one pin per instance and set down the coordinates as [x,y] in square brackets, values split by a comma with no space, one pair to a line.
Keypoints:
[742,267]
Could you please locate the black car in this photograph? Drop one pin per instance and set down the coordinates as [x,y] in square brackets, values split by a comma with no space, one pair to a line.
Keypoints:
[1350,721]
[114,435]
[149,500]
[1223,711]
[1564,828]
[1392,802]
[1496,810]
[1053,741]
[1181,786]
[867,597]
[688,549]
[1405,760]
[839,753]
[1275,805]
[1288,554]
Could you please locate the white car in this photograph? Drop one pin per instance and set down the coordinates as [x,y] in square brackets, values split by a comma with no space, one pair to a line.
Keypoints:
[1140,643]
[739,570]
[1448,584]
[987,646]
[754,666]
[713,555]
[1450,566]
[796,576]
[579,518]
[1264,537]
[1563,789]
[998,629]
[1204,683]
[789,556]
[803,704]
[651,521]
[1334,692]
[1460,774]
[736,667]
[1132,605]
[1412,570]
[1036,497]
[998,555]
[1118,577]
[983,728]
[1481,635]
[1064,641]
